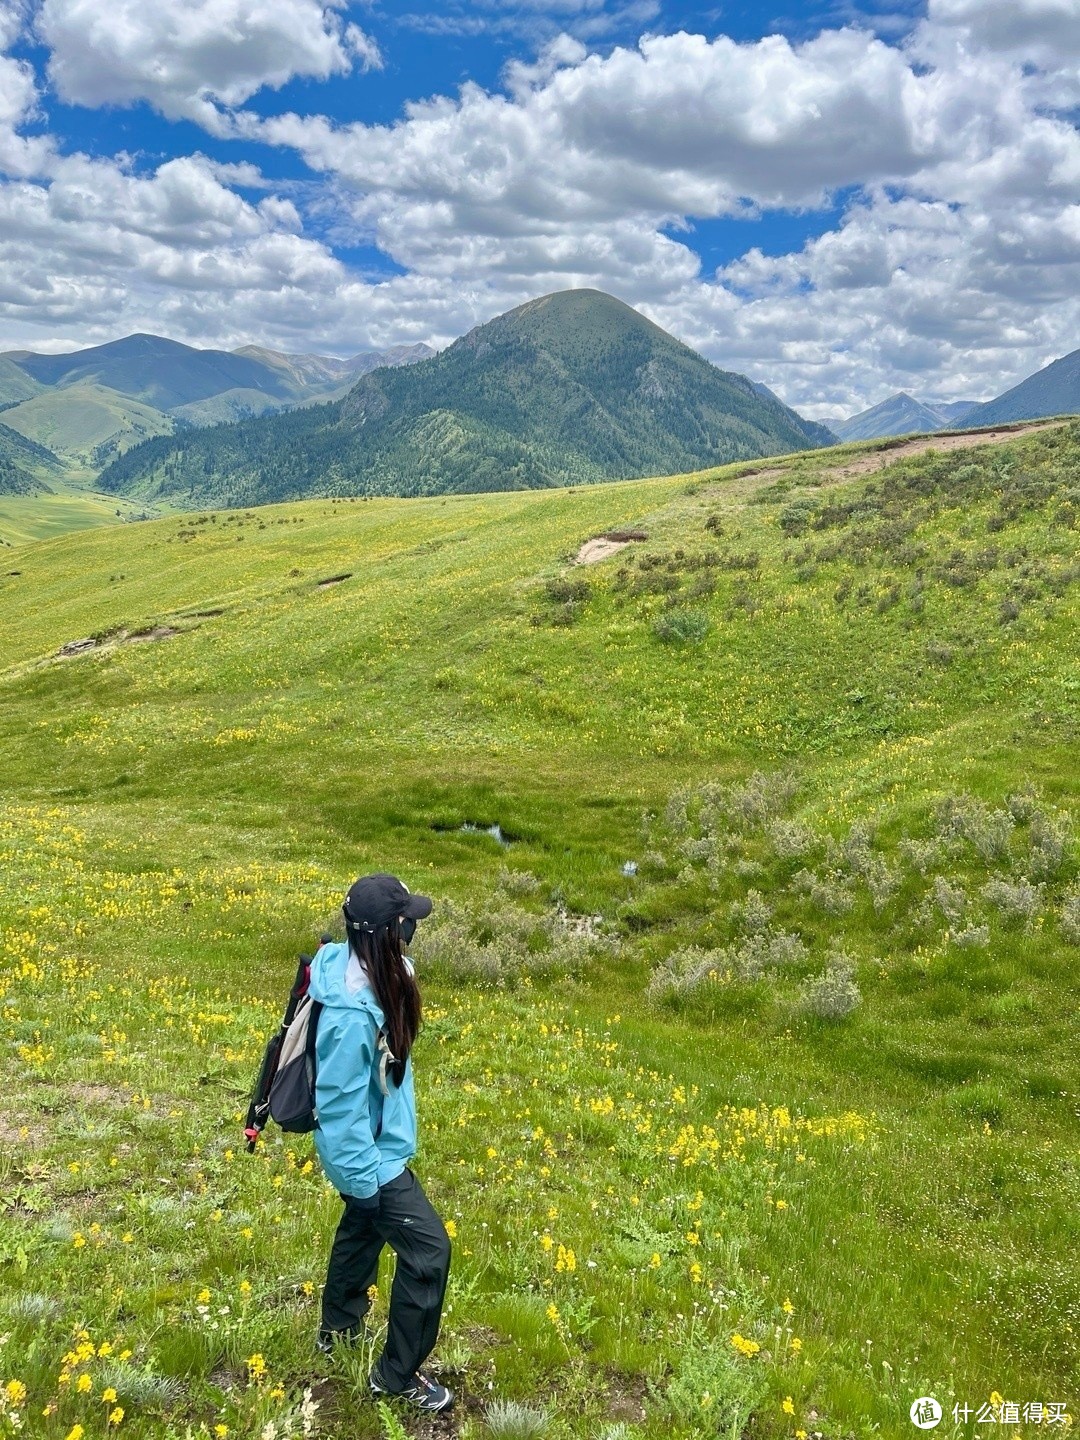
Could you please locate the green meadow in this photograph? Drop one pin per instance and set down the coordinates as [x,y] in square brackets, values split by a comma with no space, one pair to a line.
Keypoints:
[67,504]
[747,1083]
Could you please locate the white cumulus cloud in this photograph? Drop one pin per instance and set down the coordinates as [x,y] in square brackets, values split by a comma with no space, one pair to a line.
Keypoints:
[188,59]
[951,265]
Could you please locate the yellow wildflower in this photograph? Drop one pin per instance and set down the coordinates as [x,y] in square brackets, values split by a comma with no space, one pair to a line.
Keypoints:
[84,1384]
[203,1296]
[75,1433]
[15,1392]
[108,1395]
[116,1415]
[788,1308]
[744,1346]
[788,1406]
[451,1229]
[654,1263]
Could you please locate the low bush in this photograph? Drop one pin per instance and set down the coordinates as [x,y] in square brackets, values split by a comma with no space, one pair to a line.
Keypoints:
[833,994]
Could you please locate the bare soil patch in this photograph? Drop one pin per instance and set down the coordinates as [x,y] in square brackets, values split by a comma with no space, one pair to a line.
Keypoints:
[157,632]
[115,637]
[607,544]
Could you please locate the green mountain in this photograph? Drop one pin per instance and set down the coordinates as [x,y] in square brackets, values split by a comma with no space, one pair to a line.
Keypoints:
[1054,390]
[571,388]
[15,384]
[24,465]
[86,424]
[160,372]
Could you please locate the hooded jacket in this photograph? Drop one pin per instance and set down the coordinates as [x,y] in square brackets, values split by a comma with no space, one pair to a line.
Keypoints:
[364,1138]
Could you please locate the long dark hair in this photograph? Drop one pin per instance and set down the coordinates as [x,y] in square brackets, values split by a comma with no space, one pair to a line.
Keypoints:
[380,953]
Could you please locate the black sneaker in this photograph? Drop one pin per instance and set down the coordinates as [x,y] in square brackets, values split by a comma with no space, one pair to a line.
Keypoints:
[423,1392]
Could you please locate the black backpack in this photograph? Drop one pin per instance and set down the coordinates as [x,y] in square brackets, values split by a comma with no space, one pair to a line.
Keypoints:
[285,1089]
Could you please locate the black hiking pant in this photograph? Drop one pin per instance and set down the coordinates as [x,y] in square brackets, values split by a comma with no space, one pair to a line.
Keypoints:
[410,1226]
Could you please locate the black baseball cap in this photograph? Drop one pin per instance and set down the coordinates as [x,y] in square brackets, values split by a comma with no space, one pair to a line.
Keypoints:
[375,900]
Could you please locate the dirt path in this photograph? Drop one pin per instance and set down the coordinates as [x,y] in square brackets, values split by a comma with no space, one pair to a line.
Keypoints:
[737,489]
[867,464]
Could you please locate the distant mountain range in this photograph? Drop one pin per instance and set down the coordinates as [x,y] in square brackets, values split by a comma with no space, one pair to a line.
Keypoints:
[90,405]
[902,415]
[1054,390]
[570,388]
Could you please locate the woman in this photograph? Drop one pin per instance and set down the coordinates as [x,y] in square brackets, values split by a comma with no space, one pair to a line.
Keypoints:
[367,1134]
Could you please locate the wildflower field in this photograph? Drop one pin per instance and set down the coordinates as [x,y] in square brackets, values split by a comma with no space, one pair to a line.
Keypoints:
[748,1077]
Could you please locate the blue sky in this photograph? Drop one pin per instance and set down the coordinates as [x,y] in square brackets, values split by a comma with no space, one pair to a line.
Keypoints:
[839,201]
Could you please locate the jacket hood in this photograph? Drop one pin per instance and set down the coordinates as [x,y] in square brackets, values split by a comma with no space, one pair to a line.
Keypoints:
[328,983]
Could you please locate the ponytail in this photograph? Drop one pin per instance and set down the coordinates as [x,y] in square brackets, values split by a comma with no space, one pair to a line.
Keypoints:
[380,953]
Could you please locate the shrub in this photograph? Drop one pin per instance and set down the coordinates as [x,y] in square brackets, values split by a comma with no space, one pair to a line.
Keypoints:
[882,880]
[752,914]
[962,817]
[681,625]
[769,951]
[761,797]
[830,893]
[564,591]
[833,994]
[795,518]
[1018,899]
[972,937]
[1048,839]
[497,941]
[920,854]
[517,882]
[511,1420]
[712,1392]
[1022,805]
[683,971]
[1070,914]
[789,839]
[950,899]
[855,847]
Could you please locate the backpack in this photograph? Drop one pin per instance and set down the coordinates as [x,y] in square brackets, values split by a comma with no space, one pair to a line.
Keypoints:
[285,1088]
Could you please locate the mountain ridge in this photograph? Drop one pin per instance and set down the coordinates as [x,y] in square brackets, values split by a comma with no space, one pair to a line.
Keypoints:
[1053,390]
[569,388]
[902,414]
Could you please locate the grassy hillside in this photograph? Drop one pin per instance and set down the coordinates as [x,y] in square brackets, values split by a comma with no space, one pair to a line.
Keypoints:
[25,467]
[86,424]
[66,508]
[15,384]
[570,388]
[747,1082]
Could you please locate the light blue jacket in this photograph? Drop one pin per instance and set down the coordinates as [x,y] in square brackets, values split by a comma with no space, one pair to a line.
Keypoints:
[364,1138]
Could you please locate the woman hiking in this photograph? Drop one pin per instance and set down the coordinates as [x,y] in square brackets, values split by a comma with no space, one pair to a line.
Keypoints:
[366,1136]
